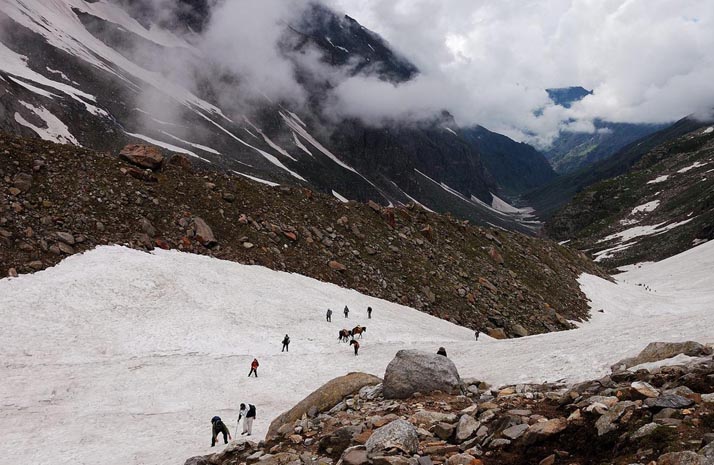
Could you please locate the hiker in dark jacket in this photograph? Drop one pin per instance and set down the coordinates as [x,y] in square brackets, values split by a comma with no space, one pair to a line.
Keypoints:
[219,428]
[286,343]
[441,351]
[355,344]
[347,312]
[477,334]
[254,368]
[369,312]
[329,315]
[248,415]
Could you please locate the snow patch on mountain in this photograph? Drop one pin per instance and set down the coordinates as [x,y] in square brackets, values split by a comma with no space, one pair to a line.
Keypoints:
[54,130]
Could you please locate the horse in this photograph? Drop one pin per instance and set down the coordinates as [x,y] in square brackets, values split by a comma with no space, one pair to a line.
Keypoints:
[344,335]
[359,330]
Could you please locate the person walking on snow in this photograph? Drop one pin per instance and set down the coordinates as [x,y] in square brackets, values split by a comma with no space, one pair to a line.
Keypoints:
[369,313]
[218,427]
[477,333]
[286,343]
[248,415]
[356,345]
[347,312]
[329,315]
[254,368]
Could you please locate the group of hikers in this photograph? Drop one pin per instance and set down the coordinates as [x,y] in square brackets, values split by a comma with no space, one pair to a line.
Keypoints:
[247,413]
[344,335]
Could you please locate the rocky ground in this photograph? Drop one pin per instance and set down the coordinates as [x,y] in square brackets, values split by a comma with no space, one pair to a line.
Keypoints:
[60,200]
[657,414]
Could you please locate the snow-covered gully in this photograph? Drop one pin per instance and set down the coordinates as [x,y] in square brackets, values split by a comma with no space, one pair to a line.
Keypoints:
[122,357]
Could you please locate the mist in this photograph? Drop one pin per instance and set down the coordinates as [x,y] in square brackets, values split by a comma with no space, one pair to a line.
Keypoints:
[486,62]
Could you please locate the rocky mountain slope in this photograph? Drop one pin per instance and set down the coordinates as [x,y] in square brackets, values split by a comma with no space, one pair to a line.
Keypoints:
[95,75]
[655,414]
[662,206]
[572,151]
[548,199]
[57,200]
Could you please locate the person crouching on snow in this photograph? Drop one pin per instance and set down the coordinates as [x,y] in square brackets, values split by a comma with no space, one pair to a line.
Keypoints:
[219,428]
[248,415]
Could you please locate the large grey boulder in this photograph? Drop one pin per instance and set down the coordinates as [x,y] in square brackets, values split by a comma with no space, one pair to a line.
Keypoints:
[656,351]
[417,371]
[399,434]
[323,399]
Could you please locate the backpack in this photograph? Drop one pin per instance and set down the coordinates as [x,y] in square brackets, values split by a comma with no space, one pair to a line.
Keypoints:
[251,411]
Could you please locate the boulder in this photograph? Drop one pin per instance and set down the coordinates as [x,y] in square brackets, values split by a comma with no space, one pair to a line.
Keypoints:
[204,234]
[200,460]
[681,458]
[645,389]
[462,459]
[644,431]
[399,434]
[356,455]
[417,371]
[541,431]
[22,181]
[336,266]
[669,401]
[323,399]
[497,333]
[656,351]
[608,421]
[144,156]
[181,161]
[466,427]
[516,431]
[519,331]
[429,418]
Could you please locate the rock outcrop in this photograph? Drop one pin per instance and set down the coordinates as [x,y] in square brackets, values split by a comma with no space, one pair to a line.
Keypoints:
[323,399]
[656,351]
[144,156]
[414,371]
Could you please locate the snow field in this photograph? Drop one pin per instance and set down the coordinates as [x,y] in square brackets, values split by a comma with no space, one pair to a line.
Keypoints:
[125,356]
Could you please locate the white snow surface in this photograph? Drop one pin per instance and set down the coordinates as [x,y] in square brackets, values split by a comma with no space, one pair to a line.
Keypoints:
[54,131]
[122,357]
[256,179]
[340,197]
[646,207]
[659,179]
[708,130]
[694,165]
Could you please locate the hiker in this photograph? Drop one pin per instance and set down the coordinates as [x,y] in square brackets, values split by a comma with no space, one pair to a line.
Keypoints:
[369,313]
[248,415]
[477,333]
[254,368]
[347,312]
[286,342]
[355,344]
[219,427]
[329,315]
[441,351]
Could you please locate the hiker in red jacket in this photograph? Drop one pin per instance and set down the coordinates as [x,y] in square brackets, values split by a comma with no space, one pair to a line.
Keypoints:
[254,368]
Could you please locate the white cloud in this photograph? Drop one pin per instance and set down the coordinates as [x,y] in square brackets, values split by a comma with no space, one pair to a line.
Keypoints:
[489,61]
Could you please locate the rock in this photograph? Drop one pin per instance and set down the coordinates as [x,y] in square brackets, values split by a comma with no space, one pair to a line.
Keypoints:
[496,256]
[516,431]
[336,266]
[147,227]
[374,206]
[444,430]
[466,427]
[323,399]
[142,175]
[497,333]
[228,197]
[657,351]
[669,401]
[708,398]
[339,440]
[550,460]
[12,273]
[204,234]
[182,161]
[144,156]
[608,421]
[429,418]
[65,248]
[461,459]
[14,191]
[645,430]
[519,331]
[356,455]
[200,460]
[399,434]
[67,238]
[417,371]
[541,431]
[499,443]
[22,181]
[645,389]
[708,450]
[681,458]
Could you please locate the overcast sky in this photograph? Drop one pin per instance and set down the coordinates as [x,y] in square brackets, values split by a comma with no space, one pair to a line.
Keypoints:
[489,61]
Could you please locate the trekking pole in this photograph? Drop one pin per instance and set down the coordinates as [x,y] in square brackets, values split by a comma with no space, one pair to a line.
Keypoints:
[237,428]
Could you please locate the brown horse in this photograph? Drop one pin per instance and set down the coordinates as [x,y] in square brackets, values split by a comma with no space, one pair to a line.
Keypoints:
[359,330]
[344,335]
